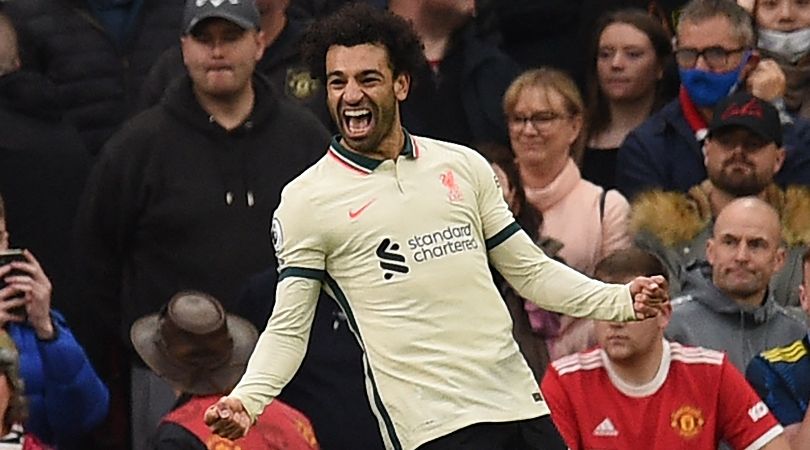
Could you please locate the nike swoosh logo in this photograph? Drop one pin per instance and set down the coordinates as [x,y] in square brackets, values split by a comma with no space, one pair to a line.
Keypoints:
[354,213]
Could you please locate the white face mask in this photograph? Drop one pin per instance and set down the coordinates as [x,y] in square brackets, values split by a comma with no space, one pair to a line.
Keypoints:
[792,45]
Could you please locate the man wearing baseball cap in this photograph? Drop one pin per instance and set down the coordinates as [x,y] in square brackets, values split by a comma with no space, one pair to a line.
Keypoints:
[743,153]
[746,112]
[182,196]
[280,63]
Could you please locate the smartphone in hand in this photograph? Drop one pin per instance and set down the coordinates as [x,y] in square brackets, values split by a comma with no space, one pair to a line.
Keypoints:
[7,257]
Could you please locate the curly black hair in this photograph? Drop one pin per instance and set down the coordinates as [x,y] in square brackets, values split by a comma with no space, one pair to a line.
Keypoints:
[358,23]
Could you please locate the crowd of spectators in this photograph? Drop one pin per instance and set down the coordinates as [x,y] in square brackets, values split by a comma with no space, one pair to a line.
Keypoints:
[144,145]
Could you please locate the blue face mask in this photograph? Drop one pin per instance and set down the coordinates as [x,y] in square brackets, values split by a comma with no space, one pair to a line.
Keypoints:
[707,88]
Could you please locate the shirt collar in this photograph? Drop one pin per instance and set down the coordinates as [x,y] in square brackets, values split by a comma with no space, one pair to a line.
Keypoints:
[364,164]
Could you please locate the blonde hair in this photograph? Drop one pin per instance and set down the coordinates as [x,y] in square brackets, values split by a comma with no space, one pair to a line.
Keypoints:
[17,411]
[547,78]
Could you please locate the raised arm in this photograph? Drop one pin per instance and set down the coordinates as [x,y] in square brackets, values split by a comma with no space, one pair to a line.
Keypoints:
[276,358]
[548,283]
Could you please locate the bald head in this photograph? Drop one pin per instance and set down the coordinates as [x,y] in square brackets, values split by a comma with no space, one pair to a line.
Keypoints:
[746,249]
[753,213]
[9,53]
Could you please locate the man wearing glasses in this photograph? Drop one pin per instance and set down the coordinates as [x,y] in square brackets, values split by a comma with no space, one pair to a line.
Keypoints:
[716,56]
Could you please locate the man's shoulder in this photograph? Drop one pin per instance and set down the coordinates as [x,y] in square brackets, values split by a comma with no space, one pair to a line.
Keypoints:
[286,114]
[670,115]
[137,134]
[579,363]
[448,152]
[431,144]
[313,183]
[785,321]
[695,355]
[790,354]
[686,304]
[799,130]
[689,314]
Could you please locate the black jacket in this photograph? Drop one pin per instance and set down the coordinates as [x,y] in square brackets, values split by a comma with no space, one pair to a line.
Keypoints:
[462,103]
[177,202]
[97,82]
[43,167]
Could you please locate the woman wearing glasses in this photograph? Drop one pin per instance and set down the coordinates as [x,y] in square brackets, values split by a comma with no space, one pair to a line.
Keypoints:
[545,112]
[625,84]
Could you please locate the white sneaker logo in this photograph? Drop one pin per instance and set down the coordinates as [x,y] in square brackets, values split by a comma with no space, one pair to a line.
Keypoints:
[216,3]
[605,428]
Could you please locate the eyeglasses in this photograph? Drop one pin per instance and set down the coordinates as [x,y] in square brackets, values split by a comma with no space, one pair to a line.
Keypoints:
[539,121]
[716,57]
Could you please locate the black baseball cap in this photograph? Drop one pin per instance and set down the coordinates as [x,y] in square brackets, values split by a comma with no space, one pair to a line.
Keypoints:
[744,110]
[241,12]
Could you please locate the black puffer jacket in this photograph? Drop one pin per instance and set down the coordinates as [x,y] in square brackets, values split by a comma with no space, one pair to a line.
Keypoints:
[97,82]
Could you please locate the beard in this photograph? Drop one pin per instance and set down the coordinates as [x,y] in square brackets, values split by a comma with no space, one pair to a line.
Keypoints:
[738,183]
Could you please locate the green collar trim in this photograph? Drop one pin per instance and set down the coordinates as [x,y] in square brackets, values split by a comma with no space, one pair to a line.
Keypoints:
[364,164]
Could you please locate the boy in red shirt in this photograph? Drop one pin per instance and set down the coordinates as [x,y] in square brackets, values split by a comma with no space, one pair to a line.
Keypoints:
[638,390]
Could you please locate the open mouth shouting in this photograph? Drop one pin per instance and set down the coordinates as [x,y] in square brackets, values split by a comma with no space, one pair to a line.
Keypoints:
[357,122]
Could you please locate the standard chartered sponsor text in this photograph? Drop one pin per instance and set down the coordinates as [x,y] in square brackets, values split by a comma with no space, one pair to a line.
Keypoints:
[447,241]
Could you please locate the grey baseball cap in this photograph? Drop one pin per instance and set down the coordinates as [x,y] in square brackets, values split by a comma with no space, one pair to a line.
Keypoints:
[241,12]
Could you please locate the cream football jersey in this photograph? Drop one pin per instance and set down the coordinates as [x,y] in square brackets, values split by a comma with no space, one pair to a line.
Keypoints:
[405,246]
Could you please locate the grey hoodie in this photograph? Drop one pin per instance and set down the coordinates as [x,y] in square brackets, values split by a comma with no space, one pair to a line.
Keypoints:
[706,317]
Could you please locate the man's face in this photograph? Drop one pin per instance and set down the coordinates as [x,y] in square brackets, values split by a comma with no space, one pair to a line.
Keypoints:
[628,342]
[712,32]
[783,15]
[220,57]
[745,251]
[363,94]
[741,162]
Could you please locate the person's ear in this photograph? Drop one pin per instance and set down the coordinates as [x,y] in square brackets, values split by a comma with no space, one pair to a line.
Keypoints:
[753,60]
[779,259]
[779,160]
[710,251]
[707,147]
[184,42]
[576,125]
[259,37]
[402,86]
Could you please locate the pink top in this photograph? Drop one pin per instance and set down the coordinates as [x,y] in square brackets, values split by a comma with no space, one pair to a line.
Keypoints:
[570,207]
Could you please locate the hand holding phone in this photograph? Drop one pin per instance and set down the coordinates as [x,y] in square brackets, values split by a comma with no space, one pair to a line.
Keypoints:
[13,301]
[24,277]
